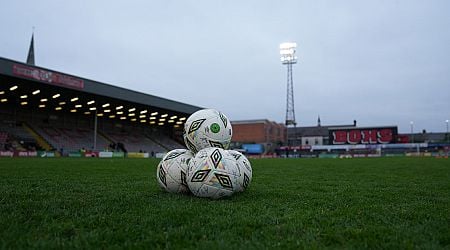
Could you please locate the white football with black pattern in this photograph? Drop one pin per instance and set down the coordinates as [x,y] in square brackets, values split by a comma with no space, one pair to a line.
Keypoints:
[172,170]
[207,128]
[213,173]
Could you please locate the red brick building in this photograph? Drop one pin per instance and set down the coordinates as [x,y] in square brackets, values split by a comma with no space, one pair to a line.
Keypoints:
[265,132]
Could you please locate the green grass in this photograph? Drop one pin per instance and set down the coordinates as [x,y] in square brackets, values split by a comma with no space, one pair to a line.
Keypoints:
[291,203]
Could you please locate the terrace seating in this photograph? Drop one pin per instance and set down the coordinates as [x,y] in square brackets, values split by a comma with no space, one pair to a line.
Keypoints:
[70,139]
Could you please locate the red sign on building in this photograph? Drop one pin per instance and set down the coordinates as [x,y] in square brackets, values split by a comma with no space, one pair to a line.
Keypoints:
[381,135]
[47,76]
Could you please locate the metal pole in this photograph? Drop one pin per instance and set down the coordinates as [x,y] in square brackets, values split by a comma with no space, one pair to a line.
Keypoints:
[95,130]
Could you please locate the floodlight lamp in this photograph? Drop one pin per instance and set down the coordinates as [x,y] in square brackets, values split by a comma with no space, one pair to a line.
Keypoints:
[36,92]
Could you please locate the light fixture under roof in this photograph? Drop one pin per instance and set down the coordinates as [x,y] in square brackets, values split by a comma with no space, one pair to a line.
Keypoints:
[73,110]
[119,112]
[173,117]
[105,105]
[161,123]
[182,118]
[179,122]
[56,96]
[132,109]
[112,116]
[152,118]
[41,105]
[13,87]
[154,113]
[62,103]
[87,113]
[132,114]
[23,103]
[165,115]
[37,91]
[162,119]
[78,106]
[93,108]
[2,92]
[107,110]
[133,120]
[142,116]
[90,102]
[100,114]
[74,99]
[123,118]
[4,100]
[152,122]
[142,121]
[119,107]
[143,111]
[23,96]
[58,108]
[170,121]
[44,100]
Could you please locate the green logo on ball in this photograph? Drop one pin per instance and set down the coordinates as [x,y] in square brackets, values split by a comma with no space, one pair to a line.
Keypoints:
[215,128]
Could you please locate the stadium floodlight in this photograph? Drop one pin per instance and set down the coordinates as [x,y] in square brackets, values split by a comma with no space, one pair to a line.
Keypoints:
[162,119]
[161,123]
[2,92]
[119,112]
[4,100]
[90,102]
[73,110]
[143,112]
[23,103]
[44,100]
[165,115]
[131,114]
[152,122]
[287,53]
[74,99]
[170,121]
[179,122]
[119,107]
[152,118]
[107,110]
[173,117]
[154,113]
[132,109]
[93,108]
[13,88]
[23,96]
[37,91]
[99,114]
[87,113]
[142,116]
[182,118]
[105,105]
[112,116]
[123,118]
[56,96]
[63,103]
[58,108]
[42,106]
[78,106]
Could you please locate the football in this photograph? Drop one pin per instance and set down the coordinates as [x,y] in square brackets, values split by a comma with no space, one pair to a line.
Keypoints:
[245,170]
[172,169]
[213,173]
[207,128]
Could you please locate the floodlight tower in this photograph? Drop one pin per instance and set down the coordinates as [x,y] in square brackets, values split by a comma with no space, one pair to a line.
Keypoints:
[287,53]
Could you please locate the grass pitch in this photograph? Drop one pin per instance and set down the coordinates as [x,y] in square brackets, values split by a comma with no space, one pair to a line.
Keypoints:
[291,203]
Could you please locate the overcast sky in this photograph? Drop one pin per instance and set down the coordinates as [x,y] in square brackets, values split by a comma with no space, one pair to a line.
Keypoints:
[377,62]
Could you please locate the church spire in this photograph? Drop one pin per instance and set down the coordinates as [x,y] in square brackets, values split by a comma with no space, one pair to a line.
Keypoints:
[30,57]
